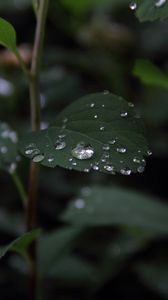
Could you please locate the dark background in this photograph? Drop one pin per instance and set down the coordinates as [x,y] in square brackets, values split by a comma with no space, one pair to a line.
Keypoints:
[90,46]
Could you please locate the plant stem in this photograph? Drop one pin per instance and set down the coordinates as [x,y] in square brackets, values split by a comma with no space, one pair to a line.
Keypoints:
[20,187]
[34,86]
[22,65]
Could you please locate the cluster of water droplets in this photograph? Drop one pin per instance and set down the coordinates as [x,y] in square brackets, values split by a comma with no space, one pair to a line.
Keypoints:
[157,4]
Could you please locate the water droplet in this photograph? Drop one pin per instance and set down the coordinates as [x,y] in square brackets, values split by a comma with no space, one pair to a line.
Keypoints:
[50,158]
[95,116]
[106,92]
[160,3]
[3,149]
[38,158]
[133,5]
[82,151]
[61,136]
[79,203]
[149,152]
[136,160]
[95,167]
[86,170]
[102,128]
[130,104]
[112,142]
[109,168]
[121,150]
[59,145]
[92,105]
[29,151]
[125,171]
[106,147]
[140,169]
[124,114]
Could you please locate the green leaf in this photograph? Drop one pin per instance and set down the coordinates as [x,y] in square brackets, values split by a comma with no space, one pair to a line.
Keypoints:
[7,35]
[150,74]
[99,131]
[155,276]
[117,206]
[8,148]
[21,244]
[148,10]
[52,246]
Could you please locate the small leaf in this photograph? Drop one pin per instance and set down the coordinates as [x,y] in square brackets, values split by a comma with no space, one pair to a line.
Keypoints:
[117,206]
[150,10]
[99,131]
[154,276]
[51,247]
[8,148]
[7,35]
[150,74]
[21,244]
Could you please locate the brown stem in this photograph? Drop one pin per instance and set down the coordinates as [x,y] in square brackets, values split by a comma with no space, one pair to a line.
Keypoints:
[31,211]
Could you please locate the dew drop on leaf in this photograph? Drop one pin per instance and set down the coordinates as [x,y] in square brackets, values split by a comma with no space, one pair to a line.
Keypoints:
[149,152]
[140,169]
[130,104]
[124,114]
[82,151]
[125,171]
[112,142]
[109,168]
[59,145]
[38,158]
[95,167]
[136,160]
[133,5]
[106,147]
[50,158]
[121,150]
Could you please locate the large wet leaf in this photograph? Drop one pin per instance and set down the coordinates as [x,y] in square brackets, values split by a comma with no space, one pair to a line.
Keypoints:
[8,148]
[99,131]
[7,35]
[21,244]
[117,206]
[150,10]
